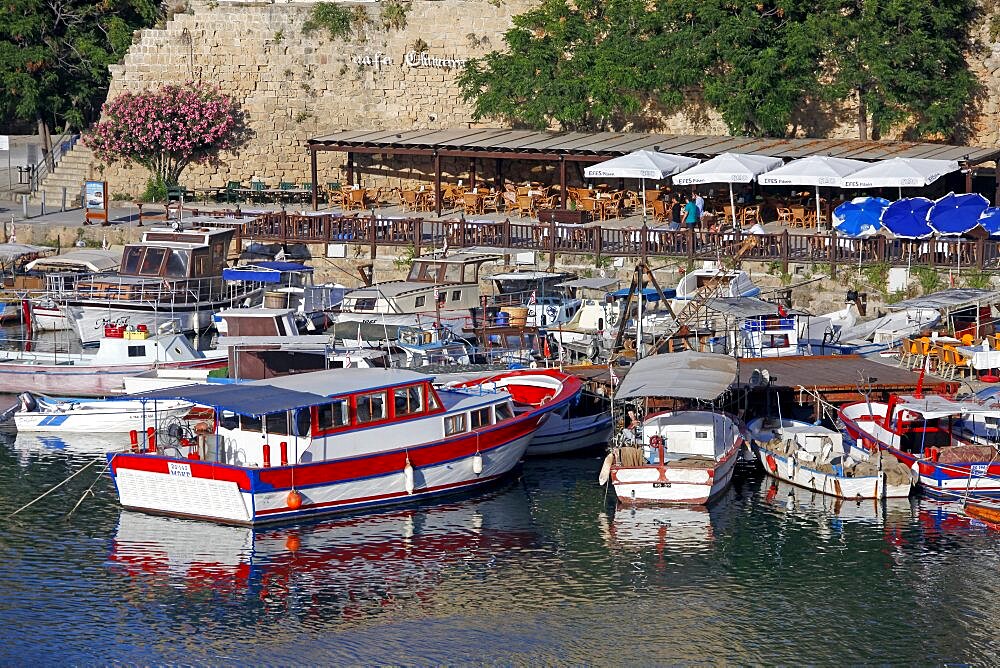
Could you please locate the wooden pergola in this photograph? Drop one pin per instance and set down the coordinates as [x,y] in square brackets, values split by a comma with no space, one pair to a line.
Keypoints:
[499,145]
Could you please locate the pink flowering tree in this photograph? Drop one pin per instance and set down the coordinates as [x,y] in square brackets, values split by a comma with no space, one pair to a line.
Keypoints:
[168,129]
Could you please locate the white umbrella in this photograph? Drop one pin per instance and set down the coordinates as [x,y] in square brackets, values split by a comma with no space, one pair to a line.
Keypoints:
[816,171]
[900,173]
[641,165]
[729,168]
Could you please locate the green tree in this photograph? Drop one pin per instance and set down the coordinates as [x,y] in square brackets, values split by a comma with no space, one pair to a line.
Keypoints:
[586,66]
[54,56]
[903,62]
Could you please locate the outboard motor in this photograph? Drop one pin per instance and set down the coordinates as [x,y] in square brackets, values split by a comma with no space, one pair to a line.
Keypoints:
[27,401]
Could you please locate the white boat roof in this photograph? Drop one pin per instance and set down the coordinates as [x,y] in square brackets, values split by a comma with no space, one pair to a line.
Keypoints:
[745,307]
[11,252]
[393,289]
[686,375]
[89,259]
[954,298]
[807,429]
[694,418]
[588,283]
[526,275]
[343,381]
[933,406]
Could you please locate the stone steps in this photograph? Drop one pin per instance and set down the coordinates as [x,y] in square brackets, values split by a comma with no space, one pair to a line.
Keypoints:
[73,169]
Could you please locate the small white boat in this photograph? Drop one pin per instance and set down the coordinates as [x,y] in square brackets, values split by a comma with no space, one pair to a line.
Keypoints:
[821,460]
[42,414]
[683,456]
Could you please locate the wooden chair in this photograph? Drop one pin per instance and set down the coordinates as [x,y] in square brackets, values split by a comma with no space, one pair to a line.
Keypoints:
[750,215]
[232,194]
[660,212]
[591,205]
[334,193]
[490,202]
[906,347]
[471,203]
[525,206]
[509,199]
[785,215]
[652,196]
[355,200]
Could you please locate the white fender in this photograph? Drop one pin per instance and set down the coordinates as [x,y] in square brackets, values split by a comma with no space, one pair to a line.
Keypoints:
[477,463]
[408,477]
[605,473]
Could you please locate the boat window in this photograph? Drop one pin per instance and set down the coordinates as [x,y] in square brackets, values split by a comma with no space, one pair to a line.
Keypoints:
[777,341]
[177,265]
[249,423]
[229,420]
[333,415]
[456,295]
[408,400]
[131,262]
[364,304]
[421,300]
[432,402]
[152,261]
[137,351]
[480,418]
[302,419]
[370,407]
[504,411]
[701,434]
[454,424]
[453,273]
[277,423]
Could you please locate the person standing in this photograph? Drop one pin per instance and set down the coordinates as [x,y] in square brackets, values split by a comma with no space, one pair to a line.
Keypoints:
[699,202]
[691,213]
[675,212]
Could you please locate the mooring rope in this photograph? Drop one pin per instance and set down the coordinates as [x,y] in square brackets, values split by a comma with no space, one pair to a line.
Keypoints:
[52,489]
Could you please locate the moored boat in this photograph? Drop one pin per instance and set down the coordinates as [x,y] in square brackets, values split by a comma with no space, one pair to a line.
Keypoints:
[931,435]
[582,423]
[101,373]
[685,456]
[331,441]
[44,414]
[821,460]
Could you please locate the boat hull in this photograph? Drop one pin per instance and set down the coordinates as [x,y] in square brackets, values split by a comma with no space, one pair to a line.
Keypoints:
[243,495]
[658,484]
[49,318]
[100,421]
[89,320]
[559,436]
[789,470]
[84,381]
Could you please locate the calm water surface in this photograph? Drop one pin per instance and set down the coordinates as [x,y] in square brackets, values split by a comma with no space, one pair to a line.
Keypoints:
[543,569]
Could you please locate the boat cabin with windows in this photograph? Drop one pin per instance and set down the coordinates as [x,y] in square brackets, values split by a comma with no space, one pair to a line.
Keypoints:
[435,282]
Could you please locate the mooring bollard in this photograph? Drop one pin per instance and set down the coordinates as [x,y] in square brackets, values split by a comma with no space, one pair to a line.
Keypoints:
[63,207]
[43,202]
[24,206]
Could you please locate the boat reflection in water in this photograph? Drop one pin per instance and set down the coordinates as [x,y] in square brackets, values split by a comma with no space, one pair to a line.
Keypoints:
[31,445]
[684,528]
[343,566]
[832,511]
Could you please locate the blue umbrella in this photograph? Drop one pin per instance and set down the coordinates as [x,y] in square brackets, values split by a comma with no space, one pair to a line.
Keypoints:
[859,217]
[956,214]
[907,218]
[990,220]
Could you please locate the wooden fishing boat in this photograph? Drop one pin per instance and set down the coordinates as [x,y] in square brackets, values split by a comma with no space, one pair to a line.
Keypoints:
[821,460]
[44,414]
[935,437]
[329,441]
[681,456]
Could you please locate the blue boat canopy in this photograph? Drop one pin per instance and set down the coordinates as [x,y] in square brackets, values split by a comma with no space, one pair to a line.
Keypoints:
[241,399]
[262,272]
[649,294]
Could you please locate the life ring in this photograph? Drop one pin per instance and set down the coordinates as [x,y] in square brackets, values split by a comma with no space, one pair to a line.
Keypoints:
[656,441]
[551,312]
[771,464]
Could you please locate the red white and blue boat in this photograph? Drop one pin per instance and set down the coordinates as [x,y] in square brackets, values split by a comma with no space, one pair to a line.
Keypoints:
[330,441]
[941,439]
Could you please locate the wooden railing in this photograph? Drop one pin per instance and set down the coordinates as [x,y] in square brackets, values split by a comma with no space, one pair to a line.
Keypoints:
[784,247]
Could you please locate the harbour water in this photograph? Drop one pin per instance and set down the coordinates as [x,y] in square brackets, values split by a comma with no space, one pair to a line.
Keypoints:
[540,570]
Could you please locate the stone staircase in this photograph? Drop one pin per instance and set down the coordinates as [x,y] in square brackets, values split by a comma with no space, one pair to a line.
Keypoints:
[73,169]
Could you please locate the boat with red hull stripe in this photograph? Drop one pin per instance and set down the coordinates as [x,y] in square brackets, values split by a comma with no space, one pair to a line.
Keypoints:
[329,441]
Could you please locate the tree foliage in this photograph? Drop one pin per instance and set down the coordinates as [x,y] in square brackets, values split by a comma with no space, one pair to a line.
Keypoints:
[166,130]
[54,55]
[613,64]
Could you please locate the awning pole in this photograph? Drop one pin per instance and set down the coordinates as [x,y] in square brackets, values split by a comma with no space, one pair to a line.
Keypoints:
[732,204]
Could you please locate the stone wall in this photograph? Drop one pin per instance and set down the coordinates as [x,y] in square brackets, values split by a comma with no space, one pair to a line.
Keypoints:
[296,86]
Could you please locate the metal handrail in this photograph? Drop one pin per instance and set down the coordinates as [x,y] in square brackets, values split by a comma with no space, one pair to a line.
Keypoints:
[41,169]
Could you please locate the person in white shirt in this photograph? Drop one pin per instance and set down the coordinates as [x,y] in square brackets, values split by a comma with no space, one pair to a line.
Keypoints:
[699,202]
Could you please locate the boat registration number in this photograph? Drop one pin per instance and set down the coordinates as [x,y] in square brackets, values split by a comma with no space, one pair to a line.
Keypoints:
[657,485]
[178,468]
[979,469]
